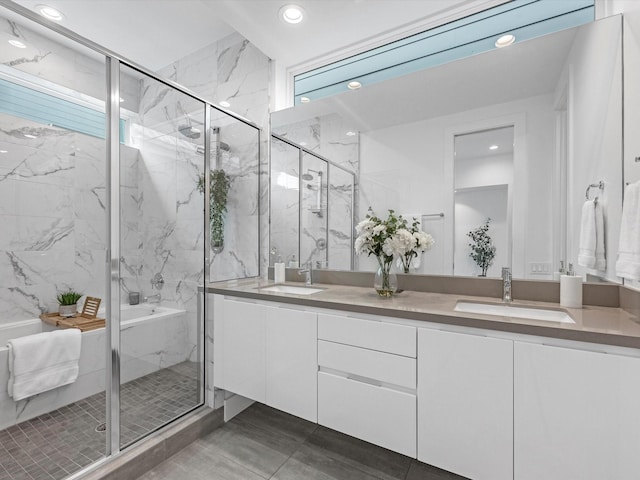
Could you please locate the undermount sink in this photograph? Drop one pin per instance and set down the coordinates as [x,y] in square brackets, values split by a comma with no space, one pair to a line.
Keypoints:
[291,289]
[514,311]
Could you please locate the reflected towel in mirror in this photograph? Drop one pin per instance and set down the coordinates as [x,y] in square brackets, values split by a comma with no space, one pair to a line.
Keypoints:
[628,262]
[591,253]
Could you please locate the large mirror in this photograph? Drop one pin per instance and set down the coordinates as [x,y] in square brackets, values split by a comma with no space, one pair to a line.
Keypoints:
[424,145]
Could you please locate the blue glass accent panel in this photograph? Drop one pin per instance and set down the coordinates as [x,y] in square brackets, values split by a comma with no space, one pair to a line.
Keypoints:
[468,36]
[24,102]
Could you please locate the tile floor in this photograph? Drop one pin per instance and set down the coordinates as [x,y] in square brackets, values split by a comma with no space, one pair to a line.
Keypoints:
[263,443]
[63,441]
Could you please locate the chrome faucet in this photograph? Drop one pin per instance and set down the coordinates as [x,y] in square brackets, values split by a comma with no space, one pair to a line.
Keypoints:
[152,298]
[309,272]
[506,285]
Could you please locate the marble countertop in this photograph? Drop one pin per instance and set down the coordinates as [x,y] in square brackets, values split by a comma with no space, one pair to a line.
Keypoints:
[605,325]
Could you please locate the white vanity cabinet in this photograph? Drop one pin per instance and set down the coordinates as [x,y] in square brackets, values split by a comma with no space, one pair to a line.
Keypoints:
[239,348]
[465,404]
[576,414]
[267,353]
[367,380]
[291,362]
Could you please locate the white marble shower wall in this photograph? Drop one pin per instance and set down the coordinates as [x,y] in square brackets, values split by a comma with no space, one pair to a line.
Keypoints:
[233,70]
[52,205]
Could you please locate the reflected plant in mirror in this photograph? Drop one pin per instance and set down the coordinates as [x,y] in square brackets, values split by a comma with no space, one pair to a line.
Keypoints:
[482,249]
[219,184]
[417,242]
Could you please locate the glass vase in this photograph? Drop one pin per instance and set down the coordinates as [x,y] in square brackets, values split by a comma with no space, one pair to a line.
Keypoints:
[385,281]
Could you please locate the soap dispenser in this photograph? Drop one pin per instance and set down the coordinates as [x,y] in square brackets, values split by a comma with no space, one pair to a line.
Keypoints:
[571,289]
[559,273]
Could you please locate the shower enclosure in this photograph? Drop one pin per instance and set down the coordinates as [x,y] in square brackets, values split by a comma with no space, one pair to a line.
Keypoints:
[105,181]
[312,205]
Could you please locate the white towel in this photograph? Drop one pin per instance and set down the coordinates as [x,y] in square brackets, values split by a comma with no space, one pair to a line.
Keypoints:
[591,252]
[628,263]
[42,362]
[410,218]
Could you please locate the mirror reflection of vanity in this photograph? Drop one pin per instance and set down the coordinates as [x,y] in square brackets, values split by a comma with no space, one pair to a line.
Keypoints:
[551,105]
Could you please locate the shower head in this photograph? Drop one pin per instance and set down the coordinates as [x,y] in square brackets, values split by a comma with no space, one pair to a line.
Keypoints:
[307,177]
[188,131]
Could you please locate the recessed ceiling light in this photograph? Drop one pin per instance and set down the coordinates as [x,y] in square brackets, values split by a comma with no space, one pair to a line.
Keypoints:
[354,85]
[224,104]
[4,151]
[17,43]
[292,13]
[305,99]
[50,12]
[505,40]
[303,144]
[28,135]
[494,147]
[351,134]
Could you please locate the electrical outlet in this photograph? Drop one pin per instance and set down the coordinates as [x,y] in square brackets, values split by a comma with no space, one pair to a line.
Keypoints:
[540,268]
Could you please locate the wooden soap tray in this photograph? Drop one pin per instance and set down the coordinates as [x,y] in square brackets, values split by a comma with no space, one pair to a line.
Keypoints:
[77,321]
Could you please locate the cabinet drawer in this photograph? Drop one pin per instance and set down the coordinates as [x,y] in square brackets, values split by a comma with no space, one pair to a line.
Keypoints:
[384,337]
[384,367]
[375,414]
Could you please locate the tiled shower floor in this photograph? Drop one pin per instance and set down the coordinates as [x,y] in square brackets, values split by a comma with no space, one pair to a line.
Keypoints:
[61,442]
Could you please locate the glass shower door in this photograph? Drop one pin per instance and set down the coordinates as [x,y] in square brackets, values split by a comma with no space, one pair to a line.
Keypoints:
[162,169]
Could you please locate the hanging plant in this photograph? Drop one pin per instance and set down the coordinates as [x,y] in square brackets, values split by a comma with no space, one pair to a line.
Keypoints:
[219,184]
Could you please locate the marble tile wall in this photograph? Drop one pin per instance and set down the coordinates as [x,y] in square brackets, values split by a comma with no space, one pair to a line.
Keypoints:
[235,71]
[53,209]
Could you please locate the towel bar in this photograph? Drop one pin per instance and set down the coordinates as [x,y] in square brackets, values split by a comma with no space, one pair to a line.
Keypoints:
[599,186]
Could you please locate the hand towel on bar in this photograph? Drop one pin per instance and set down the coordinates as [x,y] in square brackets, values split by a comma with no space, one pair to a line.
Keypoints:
[628,263]
[591,251]
[42,362]
[410,218]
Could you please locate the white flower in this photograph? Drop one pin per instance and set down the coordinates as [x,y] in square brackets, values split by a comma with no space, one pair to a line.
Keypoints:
[423,241]
[362,244]
[364,226]
[378,228]
[399,243]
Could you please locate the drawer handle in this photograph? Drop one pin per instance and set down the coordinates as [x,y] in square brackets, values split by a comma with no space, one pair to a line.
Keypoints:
[368,381]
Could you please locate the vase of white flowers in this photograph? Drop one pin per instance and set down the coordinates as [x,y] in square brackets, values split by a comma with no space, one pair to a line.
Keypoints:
[482,249]
[375,238]
[411,242]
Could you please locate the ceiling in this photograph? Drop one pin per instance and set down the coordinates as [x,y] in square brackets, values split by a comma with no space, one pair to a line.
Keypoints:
[155,33]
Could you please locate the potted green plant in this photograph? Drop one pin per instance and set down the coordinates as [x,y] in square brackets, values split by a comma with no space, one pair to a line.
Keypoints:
[482,249]
[219,183]
[68,303]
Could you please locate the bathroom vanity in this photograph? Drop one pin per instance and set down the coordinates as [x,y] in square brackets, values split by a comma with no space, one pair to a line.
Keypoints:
[483,396]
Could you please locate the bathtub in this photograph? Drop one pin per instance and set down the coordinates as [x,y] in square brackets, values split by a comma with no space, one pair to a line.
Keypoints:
[151,338]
